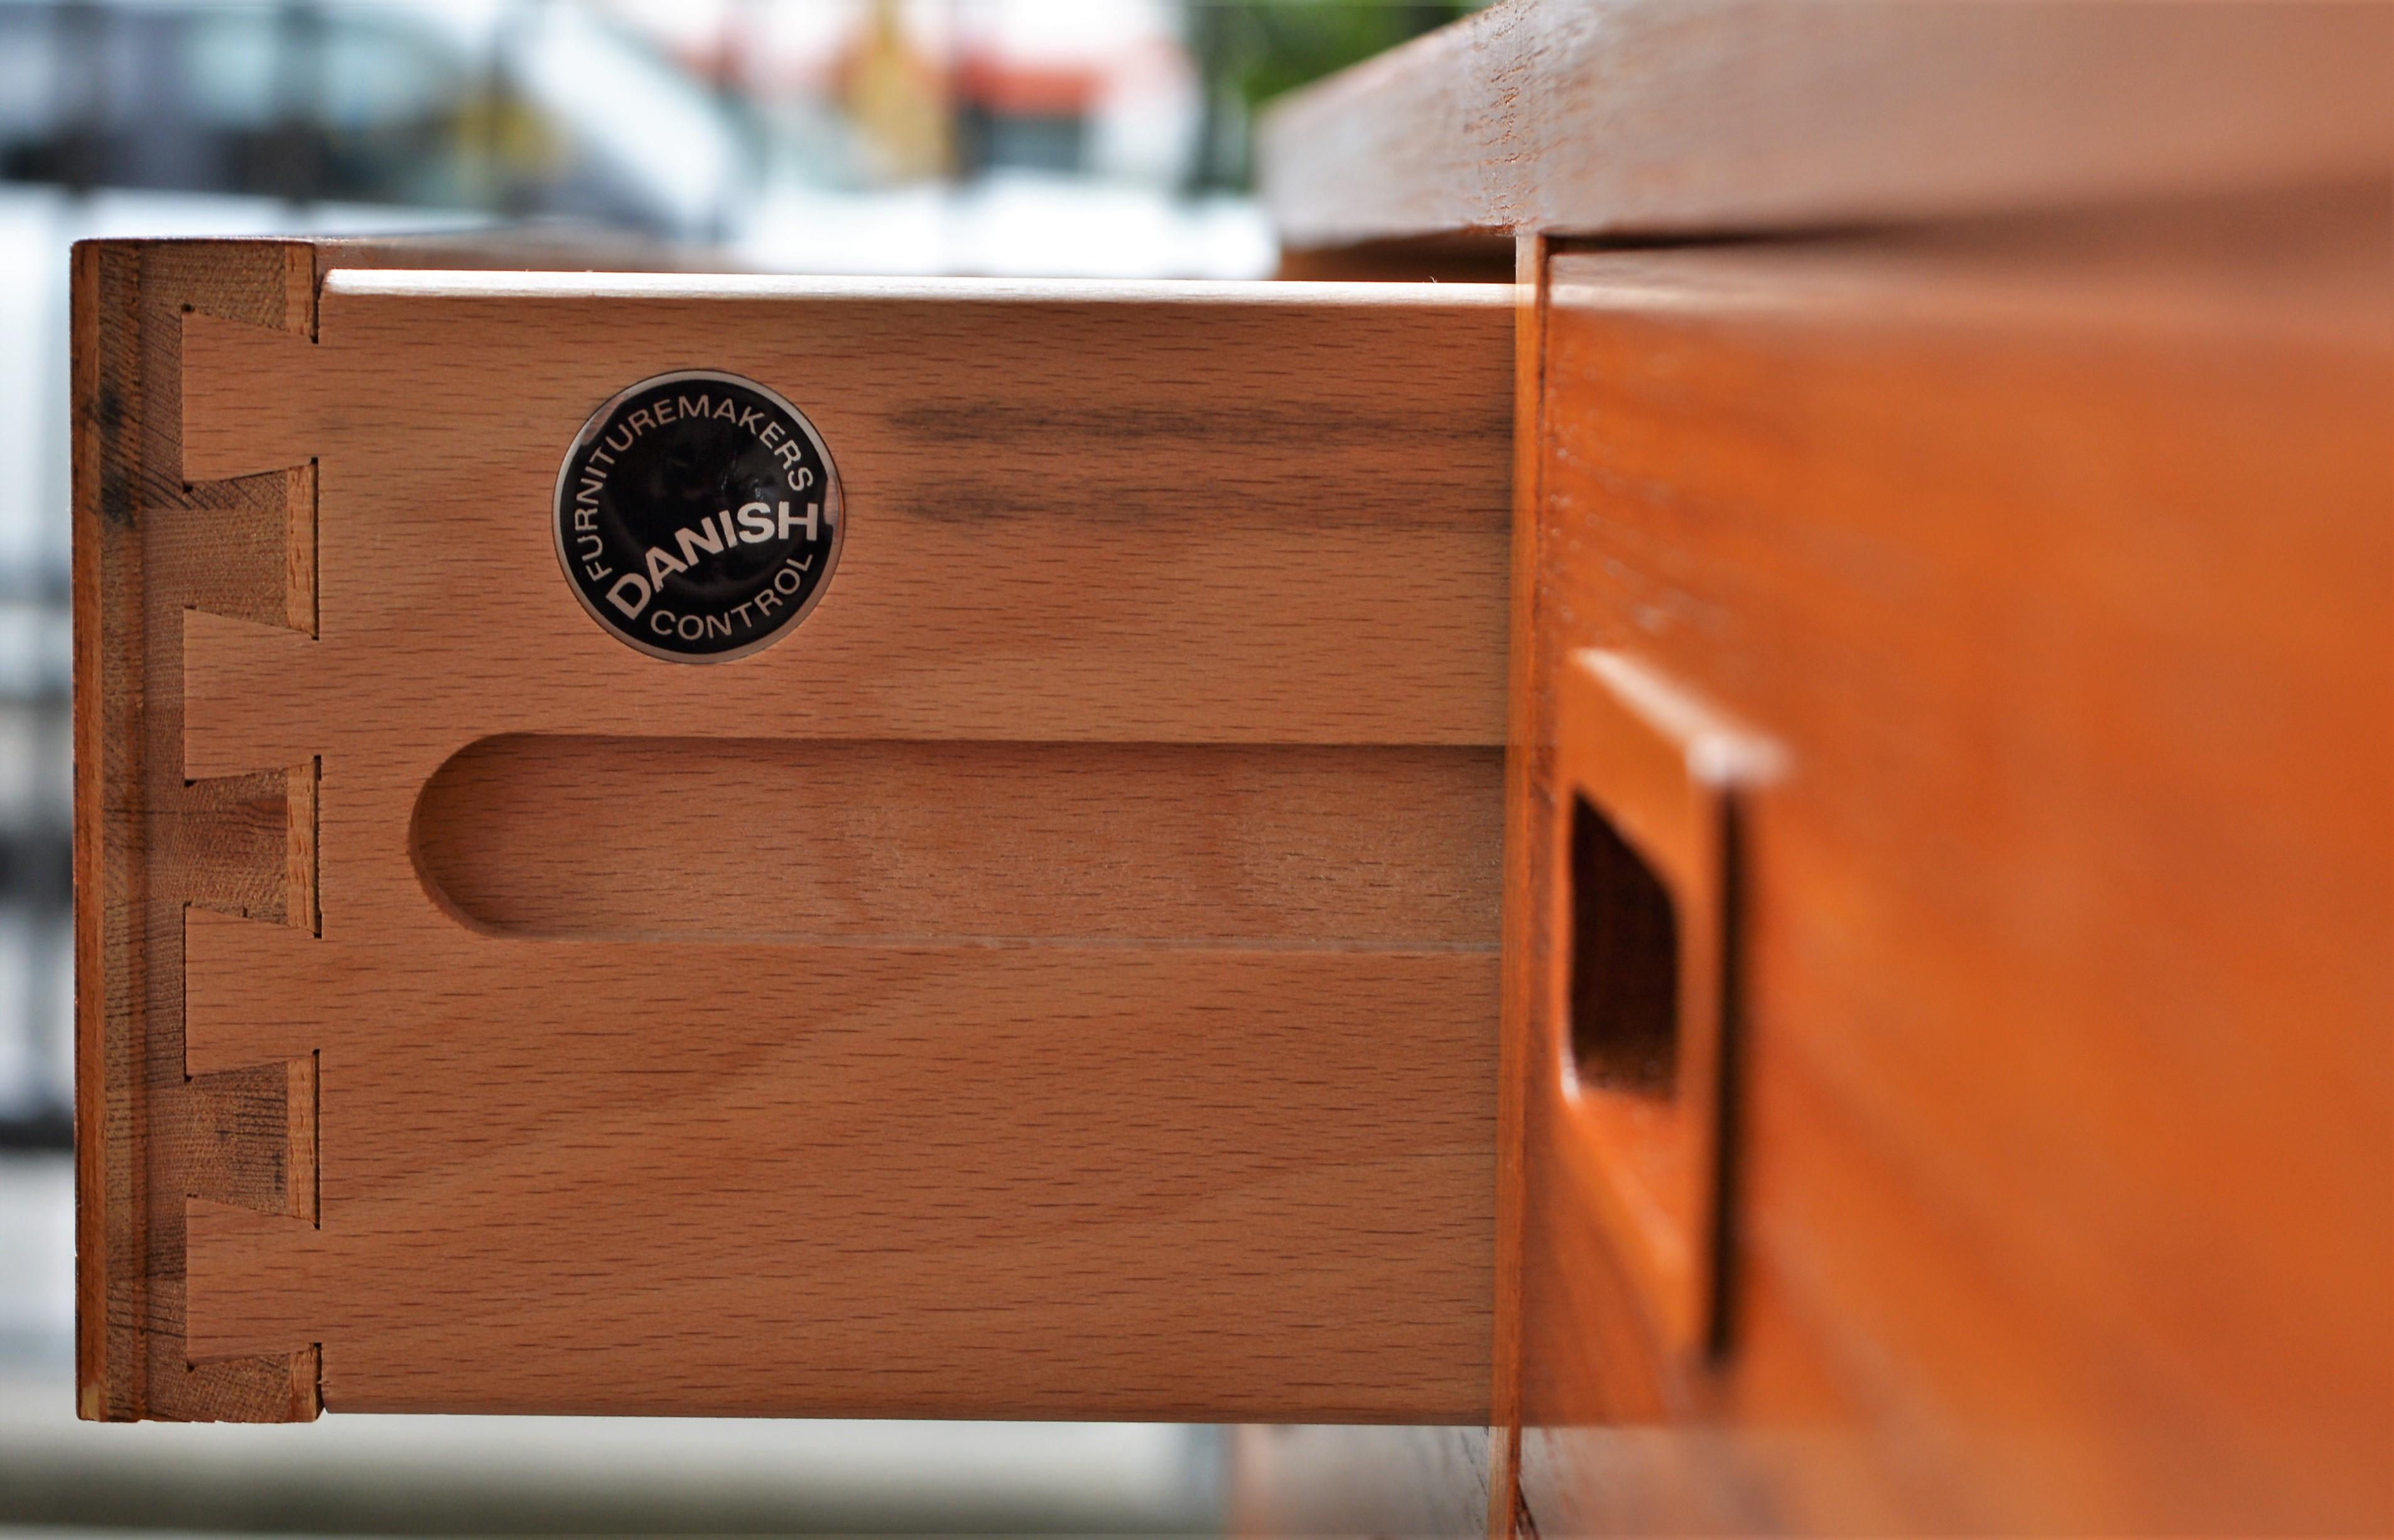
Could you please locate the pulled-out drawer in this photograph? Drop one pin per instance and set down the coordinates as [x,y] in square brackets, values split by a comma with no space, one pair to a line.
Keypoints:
[663,844]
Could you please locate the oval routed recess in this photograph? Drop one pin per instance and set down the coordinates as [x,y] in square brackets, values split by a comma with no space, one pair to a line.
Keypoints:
[749,839]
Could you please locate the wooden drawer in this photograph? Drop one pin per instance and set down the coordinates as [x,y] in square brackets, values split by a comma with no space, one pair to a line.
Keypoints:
[1055,978]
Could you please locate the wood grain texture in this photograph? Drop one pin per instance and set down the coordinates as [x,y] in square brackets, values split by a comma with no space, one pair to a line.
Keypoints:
[156,539]
[2057,557]
[1526,765]
[1334,845]
[275,401]
[1257,512]
[1657,777]
[1115,1034]
[882,1181]
[1692,117]
[150,543]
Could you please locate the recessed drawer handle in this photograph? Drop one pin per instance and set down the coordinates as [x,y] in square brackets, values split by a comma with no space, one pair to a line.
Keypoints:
[1650,783]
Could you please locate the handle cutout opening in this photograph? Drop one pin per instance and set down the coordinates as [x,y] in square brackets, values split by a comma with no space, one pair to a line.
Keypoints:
[1623,963]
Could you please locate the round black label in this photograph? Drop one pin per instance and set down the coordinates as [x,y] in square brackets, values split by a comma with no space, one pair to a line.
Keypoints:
[698,516]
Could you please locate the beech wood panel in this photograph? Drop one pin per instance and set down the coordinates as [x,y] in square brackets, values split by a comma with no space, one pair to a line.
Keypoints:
[156,536]
[1223,512]
[1128,1046]
[880,1181]
[1200,844]
[2057,558]
[1672,117]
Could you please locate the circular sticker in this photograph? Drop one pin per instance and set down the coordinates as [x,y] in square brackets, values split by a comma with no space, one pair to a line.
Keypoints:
[698,516]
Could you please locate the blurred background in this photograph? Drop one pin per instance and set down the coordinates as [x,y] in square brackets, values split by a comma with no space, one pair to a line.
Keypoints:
[1062,138]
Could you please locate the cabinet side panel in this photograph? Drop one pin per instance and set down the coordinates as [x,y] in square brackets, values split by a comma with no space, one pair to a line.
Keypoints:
[2056,557]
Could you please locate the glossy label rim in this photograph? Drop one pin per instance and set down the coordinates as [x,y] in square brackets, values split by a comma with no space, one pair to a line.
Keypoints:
[666,480]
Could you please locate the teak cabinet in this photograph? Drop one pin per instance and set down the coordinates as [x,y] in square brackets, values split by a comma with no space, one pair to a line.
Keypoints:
[1954,586]
[1712,811]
